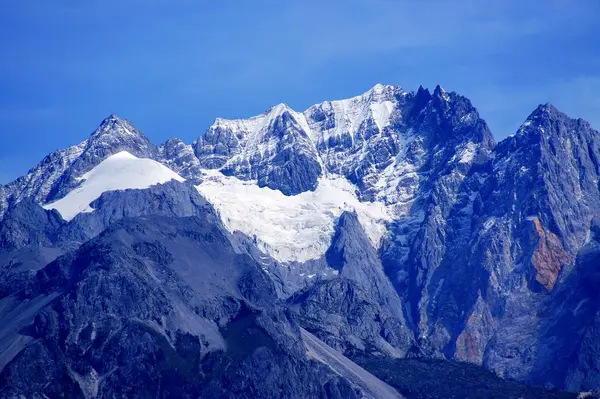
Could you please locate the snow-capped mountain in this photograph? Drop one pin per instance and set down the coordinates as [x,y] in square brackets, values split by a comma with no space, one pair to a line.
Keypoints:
[386,147]
[117,172]
[180,158]
[387,224]
[61,171]
[274,149]
[365,154]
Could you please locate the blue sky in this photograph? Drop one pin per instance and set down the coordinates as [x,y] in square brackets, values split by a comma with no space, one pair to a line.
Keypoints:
[172,66]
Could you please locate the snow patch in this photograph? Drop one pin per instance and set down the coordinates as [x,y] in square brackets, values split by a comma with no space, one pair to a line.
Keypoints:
[349,114]
[381,113]
[291,228]
[491,222]
[468,154]
[255,142]
[120,171]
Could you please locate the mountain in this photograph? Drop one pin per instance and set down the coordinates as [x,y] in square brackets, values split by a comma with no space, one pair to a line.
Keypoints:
[180,157]
[159,304]
[58,173]
[273,148]
[133,312]
[358,312]
[388,225]
[575,316]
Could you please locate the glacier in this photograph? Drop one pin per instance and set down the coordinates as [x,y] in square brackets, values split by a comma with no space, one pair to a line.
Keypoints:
[294,228]
[120,171]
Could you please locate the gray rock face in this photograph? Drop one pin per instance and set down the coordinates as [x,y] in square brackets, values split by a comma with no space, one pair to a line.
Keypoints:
[3,201]
[555,197]
[273,148]
[158,306]
[572,315]
[358,311]
[180,157]
[452,144]
[537,189]
[392,137]
[39,181]
[31,237]
[27,223]
[172,199]
[489,257]
[481,275]
[292,166]
[57,174]
[359,137]
[28,236]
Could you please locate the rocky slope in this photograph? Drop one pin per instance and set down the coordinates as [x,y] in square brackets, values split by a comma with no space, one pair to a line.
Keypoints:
[162,306]
[508,244]
[273,148]
[389,224]
[57,173]
[359,310]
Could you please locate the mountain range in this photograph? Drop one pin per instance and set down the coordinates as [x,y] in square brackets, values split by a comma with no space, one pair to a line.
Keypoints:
[273,254]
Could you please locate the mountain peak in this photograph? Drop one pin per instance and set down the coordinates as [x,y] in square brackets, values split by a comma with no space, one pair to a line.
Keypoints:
[249,124]
[539,116]
[380,88]
[116,127]
[546,113]
[423,94]
[113,116]
[278,110]
[546,108]
[382,92]
[348,240]
[439,92]
[109,122]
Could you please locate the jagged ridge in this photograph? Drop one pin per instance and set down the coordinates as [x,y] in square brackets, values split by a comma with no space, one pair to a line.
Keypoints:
[479,239]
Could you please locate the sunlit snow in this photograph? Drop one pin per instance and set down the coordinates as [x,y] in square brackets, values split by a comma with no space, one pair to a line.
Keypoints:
[381,113]
[468,154]
[290,228]
[350,113]
[118,172]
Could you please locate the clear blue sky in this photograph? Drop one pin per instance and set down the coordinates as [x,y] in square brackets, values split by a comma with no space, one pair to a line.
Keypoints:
[172,66]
